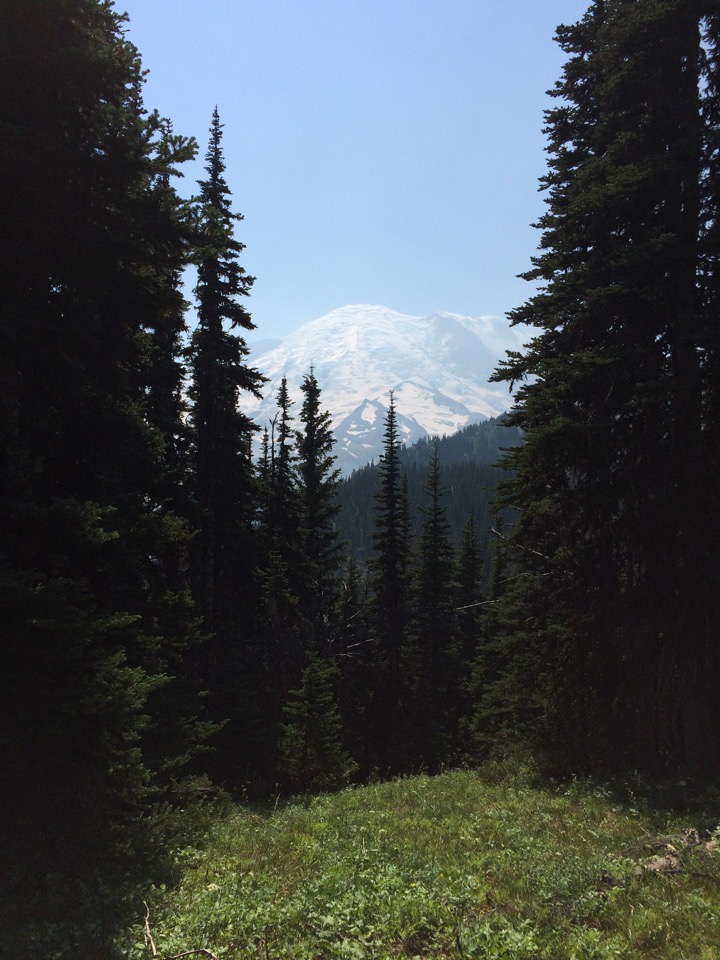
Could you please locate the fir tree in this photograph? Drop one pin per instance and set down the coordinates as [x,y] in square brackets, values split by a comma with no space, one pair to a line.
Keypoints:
[287,630]
[96,630]
[220,373]
[223,475]
[318,481]
[356,665]
[468,594]
[312,755]
[430,659]
[616,483]
[390,585]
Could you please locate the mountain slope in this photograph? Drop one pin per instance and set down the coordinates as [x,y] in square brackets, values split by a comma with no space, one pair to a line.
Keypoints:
[436,366]
[468,462]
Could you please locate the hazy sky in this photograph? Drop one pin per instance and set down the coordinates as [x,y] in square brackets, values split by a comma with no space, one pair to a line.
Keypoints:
[381,151]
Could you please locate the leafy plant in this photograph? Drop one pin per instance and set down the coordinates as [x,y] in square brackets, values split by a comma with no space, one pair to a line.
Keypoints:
[468,864]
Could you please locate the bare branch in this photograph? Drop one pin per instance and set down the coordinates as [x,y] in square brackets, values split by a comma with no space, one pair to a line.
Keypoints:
[480,603]
[192,953]
[522,546]
[149,942]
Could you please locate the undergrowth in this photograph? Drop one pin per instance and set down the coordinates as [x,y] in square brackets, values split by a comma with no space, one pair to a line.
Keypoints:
[464,865]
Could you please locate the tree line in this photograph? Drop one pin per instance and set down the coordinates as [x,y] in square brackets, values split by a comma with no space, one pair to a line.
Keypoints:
[178,612]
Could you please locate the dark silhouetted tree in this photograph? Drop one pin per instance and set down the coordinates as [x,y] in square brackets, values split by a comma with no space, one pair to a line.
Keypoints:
[97,631]
[614,622]
[430,655]
[318,481]
[390,586]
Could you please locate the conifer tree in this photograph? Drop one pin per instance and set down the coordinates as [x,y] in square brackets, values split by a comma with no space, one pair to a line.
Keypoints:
[220,373]
[468,592]
[470,610]
[430,655]
[94,626]
[390,584]
[318,481]
[616,482]
[225,554]
[286,630]
[167,407]
[355,664]
[284,505]
[312,755]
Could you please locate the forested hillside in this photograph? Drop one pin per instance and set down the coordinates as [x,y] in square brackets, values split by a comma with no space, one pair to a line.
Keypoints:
[470,474]
[178,615]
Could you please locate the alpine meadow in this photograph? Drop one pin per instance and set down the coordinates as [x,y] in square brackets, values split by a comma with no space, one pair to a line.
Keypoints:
[463,703]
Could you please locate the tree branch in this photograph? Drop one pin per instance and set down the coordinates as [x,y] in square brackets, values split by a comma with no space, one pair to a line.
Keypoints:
[150,943]
[192,953]
[522,546]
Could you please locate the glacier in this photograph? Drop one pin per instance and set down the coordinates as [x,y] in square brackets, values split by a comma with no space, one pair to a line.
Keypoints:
[437,368]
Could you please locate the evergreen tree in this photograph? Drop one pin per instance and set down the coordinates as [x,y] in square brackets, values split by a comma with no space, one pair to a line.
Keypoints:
[95,625]
[312,755]
[318,480]
[220,373]
[225,554]
[614,623]
[286,629]
[468,588]
[390,585]
[356,665]
[166,405]
[470,610]
[430,657]
[284,504]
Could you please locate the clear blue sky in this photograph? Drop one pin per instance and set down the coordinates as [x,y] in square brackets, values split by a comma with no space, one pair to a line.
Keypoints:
[381,151]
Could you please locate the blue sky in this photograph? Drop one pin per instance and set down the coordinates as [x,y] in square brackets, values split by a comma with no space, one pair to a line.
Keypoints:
[381,151]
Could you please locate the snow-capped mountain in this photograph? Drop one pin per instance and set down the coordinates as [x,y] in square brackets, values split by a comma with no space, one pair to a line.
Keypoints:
[437,368]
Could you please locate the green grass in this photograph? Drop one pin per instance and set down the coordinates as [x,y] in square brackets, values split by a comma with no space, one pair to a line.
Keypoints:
[468,864]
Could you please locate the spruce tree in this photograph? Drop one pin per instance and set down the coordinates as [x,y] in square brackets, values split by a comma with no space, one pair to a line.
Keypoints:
[470,609]
[354,660]
[430,654]
[390,586]
[96,629]
[224,488]
[312,755]
[223,472]
[468,594]
[614,634]
[318,481]
[286,630]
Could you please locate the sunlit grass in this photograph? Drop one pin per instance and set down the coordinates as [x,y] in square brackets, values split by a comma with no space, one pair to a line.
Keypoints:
[461,865]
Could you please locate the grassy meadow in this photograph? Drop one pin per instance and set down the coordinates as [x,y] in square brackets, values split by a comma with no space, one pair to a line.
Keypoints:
[470,864]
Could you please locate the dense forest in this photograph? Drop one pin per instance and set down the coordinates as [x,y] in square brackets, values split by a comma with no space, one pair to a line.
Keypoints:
[470,473]
[178,615]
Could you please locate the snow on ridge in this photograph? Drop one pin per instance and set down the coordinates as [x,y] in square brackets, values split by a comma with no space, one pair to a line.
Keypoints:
[438,367]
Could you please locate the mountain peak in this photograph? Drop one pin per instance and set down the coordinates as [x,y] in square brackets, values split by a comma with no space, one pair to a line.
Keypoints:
[438,367]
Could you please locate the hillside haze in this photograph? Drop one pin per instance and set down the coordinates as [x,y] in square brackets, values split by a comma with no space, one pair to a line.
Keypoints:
[437,367]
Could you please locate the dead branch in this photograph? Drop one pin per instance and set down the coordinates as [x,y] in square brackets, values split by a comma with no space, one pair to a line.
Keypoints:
[192,953]
[521,546]
[149,942]
[470,606]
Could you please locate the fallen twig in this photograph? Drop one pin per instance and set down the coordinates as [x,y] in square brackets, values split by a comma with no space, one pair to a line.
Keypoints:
[150,943]
[191,953]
